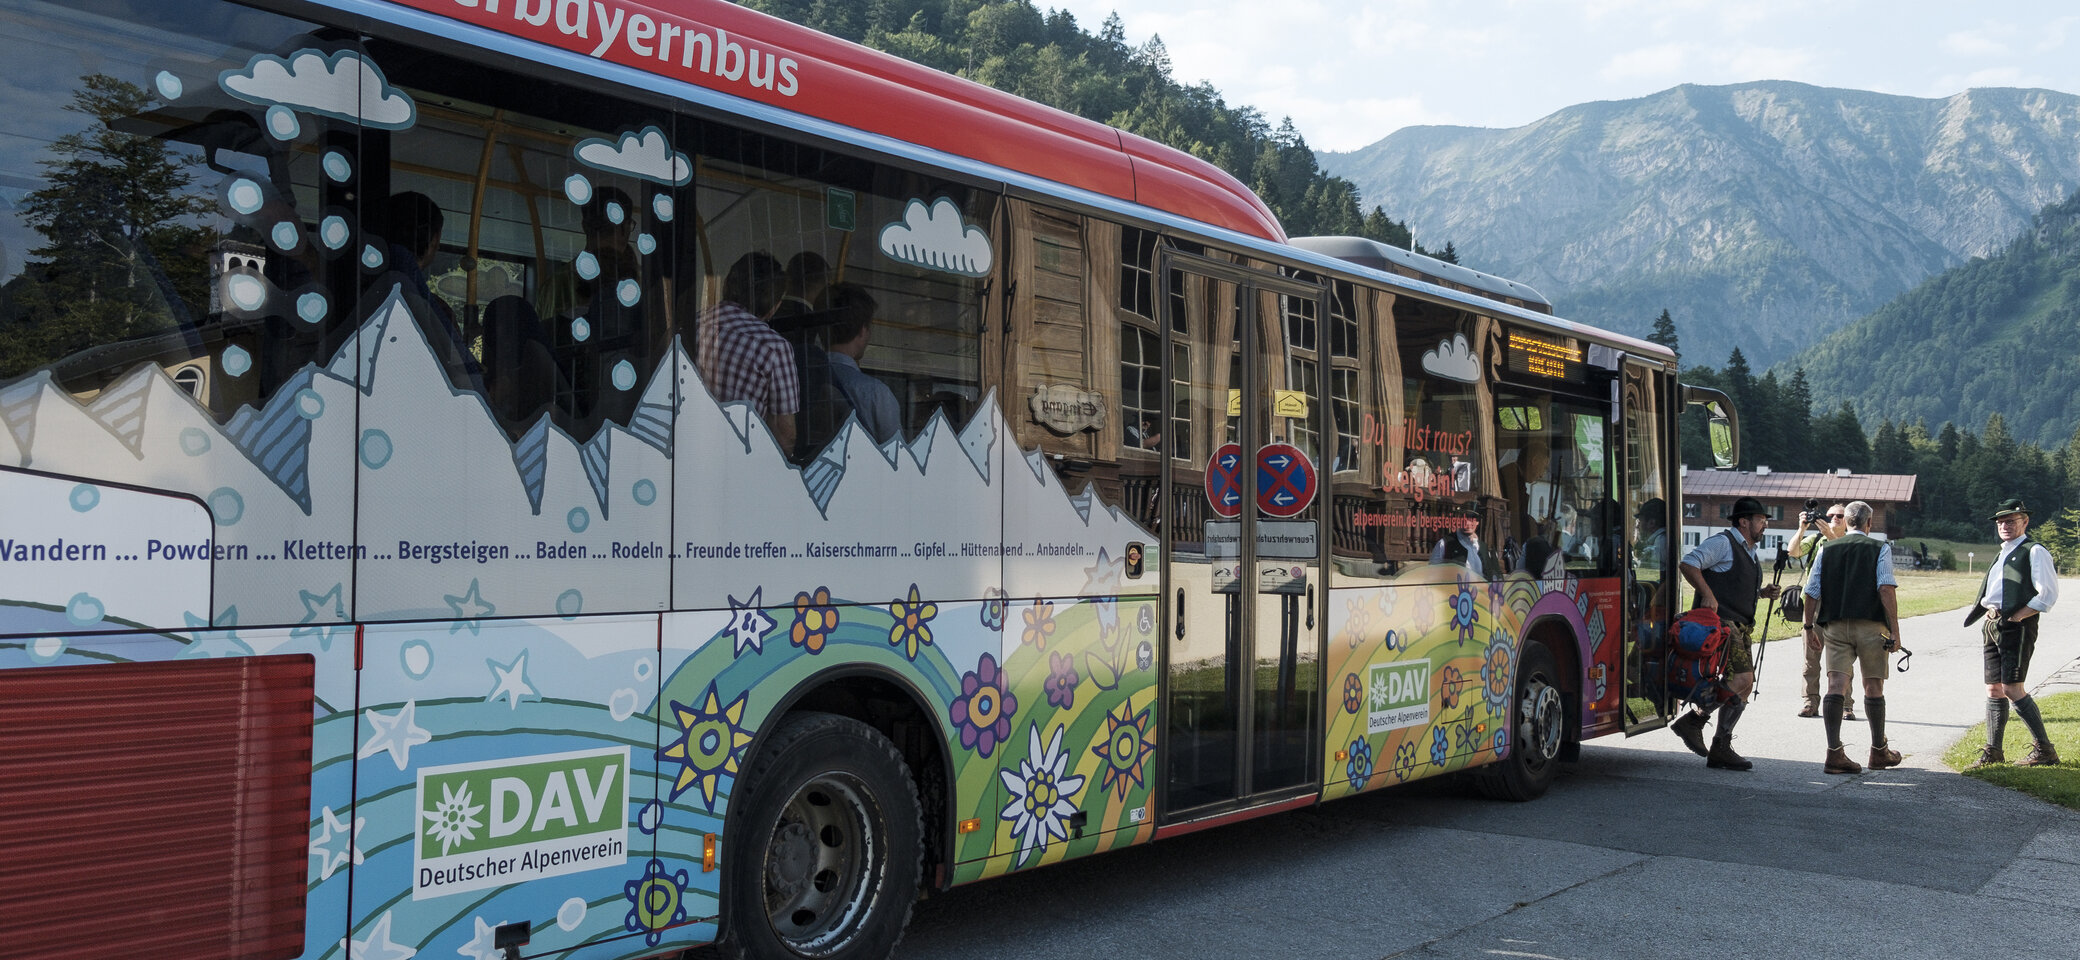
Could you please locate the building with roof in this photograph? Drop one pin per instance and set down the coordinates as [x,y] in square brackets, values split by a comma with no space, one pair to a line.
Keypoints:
[1708,497]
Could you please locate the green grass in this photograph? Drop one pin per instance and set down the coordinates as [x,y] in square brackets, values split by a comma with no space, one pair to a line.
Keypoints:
[1928,591]
[2059,784]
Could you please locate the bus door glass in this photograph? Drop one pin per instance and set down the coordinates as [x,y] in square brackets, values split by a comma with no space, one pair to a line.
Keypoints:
[1650,573]
[1243,540]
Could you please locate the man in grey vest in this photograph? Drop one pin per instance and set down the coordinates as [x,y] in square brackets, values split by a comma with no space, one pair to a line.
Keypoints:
[1727,577]
[1852,600]
[2019,586]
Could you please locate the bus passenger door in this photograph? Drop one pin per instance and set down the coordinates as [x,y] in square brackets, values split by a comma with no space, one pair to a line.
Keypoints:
[1243,542]
[1646,412]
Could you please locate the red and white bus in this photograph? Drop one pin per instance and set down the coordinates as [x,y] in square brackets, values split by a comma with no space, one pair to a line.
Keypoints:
[585,479]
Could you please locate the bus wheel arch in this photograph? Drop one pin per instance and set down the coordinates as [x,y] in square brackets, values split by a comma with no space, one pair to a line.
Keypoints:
[1571,670]
[1537,725]
[879,715]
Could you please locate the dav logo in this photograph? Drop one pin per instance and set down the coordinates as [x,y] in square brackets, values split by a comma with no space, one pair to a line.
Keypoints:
[1397,696]
[493,823]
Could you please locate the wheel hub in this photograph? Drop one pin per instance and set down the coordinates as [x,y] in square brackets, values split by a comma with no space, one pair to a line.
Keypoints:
[1539,723]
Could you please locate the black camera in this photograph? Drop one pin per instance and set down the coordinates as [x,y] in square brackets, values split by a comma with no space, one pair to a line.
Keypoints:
[1812,504]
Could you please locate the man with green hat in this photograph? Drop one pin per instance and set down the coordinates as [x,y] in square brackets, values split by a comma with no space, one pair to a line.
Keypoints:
[1726,574]
[2020,586]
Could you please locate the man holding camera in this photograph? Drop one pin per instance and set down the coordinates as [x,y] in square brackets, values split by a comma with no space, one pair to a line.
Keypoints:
[1727,576]
[2020,585]
[1823,529]
[1852,603]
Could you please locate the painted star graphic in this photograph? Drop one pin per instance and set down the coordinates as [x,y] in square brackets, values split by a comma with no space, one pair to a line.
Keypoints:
[396,733]
[477,607]
[511,681]
[334,831]
[748,623]
[319,612]
[481,946]
[214,639]
[378,945]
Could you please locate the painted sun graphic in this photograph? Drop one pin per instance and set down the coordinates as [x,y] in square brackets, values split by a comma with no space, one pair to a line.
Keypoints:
[710,743]
[1125,750]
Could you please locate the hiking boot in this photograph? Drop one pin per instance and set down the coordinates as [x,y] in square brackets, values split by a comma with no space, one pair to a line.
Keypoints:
[1811,710]
[1988,756]
[1838,762]
[1690,728]
[1722,757]
[1849,712]
[2040,754]
[1882,757]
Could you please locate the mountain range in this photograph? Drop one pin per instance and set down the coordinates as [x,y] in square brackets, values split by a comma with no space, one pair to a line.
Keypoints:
[1762,215]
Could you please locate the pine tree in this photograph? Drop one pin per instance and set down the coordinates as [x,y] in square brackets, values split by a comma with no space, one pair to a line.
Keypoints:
[1665,334]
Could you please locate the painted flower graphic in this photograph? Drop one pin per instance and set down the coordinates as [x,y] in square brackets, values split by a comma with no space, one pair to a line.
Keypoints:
[1359,623]
[1495,671]
[658,900]
[1396,640]
[710,742]
[1495,588]
[910,631]
[1039,624]
[814,619]
[1040,793]
[994,608]
[984,708]
[1465,739]
[1404,761]
[1464,612]
[1448,682]
[1501,741]
[454,819]
[1359,767]
[1353,693]
[1061,681]
[1125,749]
[1439,746]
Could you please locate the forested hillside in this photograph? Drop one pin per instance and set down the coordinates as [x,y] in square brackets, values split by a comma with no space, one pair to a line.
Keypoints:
[1050,58]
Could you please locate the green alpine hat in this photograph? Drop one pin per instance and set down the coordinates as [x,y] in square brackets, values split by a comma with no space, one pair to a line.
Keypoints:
[2009,508]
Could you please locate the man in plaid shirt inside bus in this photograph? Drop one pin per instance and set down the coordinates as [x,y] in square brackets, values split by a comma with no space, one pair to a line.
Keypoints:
[741,357]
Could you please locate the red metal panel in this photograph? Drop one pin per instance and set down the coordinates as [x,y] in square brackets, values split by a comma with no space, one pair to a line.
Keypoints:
[155,809]
[757,57]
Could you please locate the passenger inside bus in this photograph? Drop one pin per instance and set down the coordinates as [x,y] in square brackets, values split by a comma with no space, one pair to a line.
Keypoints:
[412,223]
[741,357]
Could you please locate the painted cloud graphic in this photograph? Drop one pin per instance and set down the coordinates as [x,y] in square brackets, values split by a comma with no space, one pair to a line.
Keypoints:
[342,85]
[1453,359]
[936,239]
[644,154]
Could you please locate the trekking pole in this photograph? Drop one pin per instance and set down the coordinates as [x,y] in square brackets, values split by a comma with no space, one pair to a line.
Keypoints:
[1776,580]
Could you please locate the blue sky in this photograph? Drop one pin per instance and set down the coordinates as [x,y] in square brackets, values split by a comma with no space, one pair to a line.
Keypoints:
[1350,72]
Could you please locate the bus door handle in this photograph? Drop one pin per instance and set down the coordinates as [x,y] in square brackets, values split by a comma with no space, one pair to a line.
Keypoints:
[1180,613]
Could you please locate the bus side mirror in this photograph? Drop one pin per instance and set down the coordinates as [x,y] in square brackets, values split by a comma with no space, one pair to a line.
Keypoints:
[1723,423]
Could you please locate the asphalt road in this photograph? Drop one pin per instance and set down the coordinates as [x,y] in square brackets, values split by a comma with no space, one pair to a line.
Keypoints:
[1639,850]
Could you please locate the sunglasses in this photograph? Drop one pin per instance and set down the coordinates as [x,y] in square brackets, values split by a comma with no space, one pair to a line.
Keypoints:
[1836,516]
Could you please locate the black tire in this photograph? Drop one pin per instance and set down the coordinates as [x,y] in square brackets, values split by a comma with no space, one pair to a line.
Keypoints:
[825,855]
[1537,729]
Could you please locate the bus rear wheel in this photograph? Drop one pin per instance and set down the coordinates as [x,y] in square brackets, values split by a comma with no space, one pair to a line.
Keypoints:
[829,845]
[1537,729]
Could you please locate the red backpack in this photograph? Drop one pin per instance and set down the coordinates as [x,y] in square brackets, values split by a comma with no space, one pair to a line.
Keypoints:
[1697,657]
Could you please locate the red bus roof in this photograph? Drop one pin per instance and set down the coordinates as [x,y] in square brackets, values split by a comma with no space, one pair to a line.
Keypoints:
[733,50]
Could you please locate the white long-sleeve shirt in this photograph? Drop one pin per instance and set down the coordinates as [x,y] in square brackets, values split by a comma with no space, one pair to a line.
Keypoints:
[2041,572]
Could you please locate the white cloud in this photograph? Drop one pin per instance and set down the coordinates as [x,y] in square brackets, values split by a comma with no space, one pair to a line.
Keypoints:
[1973,43]
[936,239]
[1662,60]
[644,154]
[1453,359]
[343,86]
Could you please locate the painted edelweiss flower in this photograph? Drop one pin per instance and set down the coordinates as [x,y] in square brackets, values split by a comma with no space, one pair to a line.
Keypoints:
[1359,768]
[910,631]
[814,619]
[1061,681]
[983,710]
[1040,807]
[1039,624]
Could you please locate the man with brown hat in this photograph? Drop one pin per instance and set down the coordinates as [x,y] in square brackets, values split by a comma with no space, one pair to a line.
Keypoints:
[1726,573]
[1852,602]
[2020,585]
